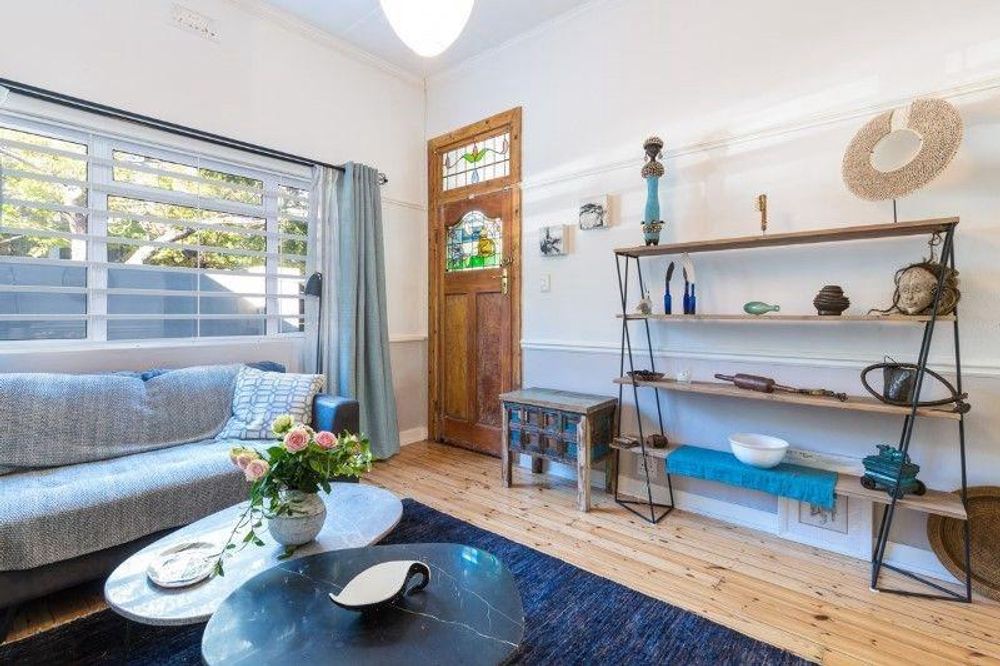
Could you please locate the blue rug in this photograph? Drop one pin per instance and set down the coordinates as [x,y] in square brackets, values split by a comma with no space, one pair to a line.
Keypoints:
[571,617]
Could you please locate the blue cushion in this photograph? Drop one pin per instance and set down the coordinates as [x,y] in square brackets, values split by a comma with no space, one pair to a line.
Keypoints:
[47,420]
[146,375]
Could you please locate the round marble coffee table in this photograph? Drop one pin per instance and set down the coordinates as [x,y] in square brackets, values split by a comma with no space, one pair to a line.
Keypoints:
[469,613]
[356,515]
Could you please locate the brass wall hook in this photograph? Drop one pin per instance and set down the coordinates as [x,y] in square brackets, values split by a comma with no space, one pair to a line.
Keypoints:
[762,207]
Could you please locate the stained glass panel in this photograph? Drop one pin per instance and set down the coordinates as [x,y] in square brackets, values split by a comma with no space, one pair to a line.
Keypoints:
[476,162]
[475,242]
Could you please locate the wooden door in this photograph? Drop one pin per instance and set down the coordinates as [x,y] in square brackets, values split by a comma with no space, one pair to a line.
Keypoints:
[476,345]
[474,243]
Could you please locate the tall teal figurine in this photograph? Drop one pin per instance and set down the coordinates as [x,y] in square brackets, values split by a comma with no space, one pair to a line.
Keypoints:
[652,170]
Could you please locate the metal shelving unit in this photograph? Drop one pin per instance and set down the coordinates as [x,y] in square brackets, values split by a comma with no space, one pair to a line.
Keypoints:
[943,228]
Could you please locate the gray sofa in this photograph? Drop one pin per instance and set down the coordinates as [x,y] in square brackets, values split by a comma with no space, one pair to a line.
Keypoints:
[93,467]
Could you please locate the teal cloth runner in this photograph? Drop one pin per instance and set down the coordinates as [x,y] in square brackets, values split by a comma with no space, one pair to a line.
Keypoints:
[808,484]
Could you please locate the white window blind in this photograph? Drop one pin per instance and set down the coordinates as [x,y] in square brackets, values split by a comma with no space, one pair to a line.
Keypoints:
[104,238]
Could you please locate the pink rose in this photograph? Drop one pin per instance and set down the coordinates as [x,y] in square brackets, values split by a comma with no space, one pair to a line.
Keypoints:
[326,439]
[297,439]
[244,458]
[256,469]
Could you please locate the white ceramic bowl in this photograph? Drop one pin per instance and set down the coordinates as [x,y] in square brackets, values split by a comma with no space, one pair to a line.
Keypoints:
[761,451]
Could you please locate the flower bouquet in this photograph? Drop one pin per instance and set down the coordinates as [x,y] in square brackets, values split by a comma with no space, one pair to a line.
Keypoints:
[286,479]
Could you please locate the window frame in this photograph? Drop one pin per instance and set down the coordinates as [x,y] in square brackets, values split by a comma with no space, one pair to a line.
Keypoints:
[102,143]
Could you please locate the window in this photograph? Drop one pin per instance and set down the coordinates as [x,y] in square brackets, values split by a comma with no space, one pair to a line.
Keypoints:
[105,239]
[476,162]
[475,241]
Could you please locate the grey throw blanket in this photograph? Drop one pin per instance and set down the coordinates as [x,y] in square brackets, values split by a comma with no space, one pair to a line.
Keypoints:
[48,420]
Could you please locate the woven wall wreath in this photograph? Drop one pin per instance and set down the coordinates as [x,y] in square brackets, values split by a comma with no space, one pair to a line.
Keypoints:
[939,127]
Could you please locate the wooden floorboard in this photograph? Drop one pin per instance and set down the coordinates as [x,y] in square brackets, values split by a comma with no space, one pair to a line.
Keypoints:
[811,602]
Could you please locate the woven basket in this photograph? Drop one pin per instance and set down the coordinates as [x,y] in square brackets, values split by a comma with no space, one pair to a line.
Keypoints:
[947,537]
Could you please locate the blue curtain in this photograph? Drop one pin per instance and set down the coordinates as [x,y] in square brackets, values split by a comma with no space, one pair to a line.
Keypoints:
[362,369]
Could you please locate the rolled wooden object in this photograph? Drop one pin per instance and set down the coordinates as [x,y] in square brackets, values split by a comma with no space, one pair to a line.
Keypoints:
[768,385]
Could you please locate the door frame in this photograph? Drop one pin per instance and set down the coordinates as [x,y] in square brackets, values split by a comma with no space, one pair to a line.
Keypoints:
[506,121]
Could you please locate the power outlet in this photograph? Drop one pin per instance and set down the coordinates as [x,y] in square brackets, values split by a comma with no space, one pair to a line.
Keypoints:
[545,282]
[192,21]
[654,468]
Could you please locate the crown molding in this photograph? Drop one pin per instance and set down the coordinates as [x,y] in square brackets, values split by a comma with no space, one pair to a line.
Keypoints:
[293,23]
[541,28]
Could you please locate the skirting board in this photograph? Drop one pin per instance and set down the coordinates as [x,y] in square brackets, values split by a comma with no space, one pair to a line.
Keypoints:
[917,560]
[412,435]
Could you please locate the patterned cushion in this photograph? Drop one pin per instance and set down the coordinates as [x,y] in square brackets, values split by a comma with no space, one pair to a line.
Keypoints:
[261,396]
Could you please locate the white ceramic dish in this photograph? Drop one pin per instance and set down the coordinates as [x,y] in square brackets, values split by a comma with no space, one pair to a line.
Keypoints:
[183,564]
[761,451]
[381,584]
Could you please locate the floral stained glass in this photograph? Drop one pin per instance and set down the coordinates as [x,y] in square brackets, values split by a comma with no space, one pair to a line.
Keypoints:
[476,241]
[476,162]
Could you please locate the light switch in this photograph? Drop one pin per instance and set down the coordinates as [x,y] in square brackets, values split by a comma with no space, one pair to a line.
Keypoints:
[545,282]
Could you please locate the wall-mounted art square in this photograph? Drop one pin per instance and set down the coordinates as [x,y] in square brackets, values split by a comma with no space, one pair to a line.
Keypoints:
[552,240]
[595,213]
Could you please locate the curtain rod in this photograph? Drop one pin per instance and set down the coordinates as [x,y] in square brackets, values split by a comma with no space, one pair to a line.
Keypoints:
[163,125]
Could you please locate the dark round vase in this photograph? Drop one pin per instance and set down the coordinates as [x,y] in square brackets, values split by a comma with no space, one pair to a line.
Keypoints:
[831,301]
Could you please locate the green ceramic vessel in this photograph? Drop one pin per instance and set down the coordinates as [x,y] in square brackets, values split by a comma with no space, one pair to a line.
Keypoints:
[759,308]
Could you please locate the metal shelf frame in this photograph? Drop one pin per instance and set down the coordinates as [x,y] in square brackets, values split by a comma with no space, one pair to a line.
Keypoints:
[654,512]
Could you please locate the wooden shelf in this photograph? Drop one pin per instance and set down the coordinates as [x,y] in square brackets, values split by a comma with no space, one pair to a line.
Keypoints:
[937,502]
[791,319]
[868,231]
[650,451]
[852,403]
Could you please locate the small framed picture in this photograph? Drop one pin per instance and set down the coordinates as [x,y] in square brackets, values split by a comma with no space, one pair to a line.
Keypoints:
[595,213]
[552,240]
[845,529]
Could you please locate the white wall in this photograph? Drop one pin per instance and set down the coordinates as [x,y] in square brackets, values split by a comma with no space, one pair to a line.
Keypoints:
[758,97]
[263,80]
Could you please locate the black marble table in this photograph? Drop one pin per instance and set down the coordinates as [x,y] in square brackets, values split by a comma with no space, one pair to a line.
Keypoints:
[470,613]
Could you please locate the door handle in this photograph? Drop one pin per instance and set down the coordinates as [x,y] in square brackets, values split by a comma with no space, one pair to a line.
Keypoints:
[504,277]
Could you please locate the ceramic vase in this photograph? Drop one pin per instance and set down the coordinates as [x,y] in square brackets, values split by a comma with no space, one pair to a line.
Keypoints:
[759,308]
[304,524]
[831,301]
[652,199]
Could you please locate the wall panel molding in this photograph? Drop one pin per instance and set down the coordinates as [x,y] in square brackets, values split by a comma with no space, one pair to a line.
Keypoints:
[791,357]
[407,337]
[985,85]
[400,203]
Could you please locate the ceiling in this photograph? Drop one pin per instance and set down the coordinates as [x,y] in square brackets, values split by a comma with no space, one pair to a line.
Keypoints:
[362,24]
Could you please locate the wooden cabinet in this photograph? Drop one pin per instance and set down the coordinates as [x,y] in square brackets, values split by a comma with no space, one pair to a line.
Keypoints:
[561,426]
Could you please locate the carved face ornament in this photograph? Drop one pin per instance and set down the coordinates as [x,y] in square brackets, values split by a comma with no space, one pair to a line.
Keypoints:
[916,290]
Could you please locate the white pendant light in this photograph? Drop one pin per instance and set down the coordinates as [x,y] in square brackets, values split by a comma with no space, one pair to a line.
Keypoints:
[428,27]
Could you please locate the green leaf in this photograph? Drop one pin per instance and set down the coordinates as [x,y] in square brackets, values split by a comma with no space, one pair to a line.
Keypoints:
[476,156]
